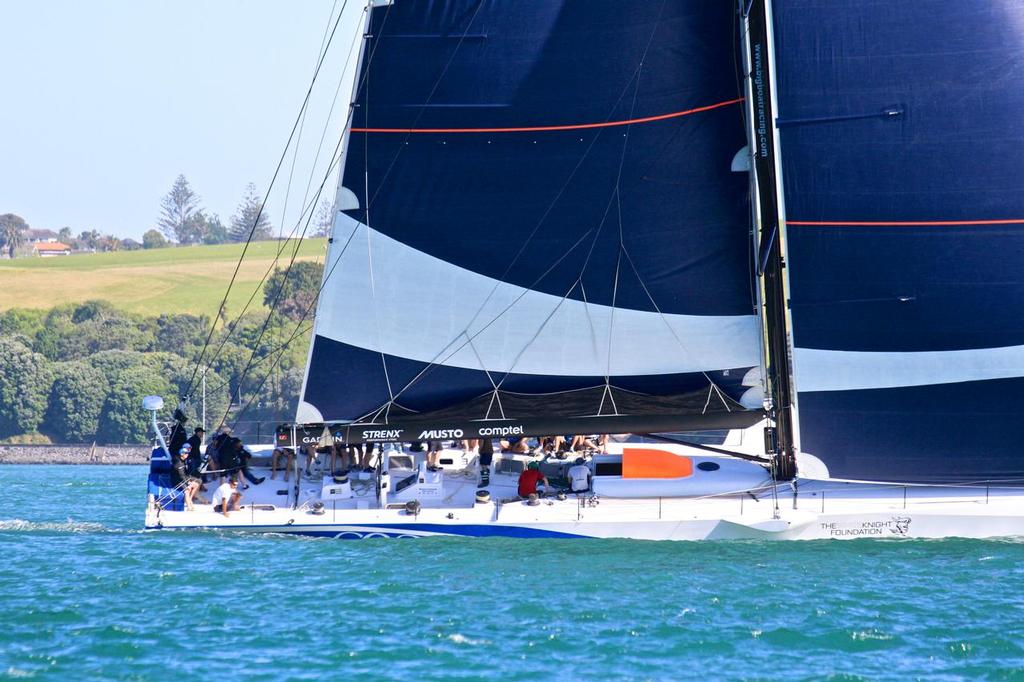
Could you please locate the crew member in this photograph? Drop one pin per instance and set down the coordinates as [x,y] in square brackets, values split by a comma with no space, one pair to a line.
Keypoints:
[529,479]
[486,452]
[195,458]
[181,478]
[579,476]
[227,497]
[282,453]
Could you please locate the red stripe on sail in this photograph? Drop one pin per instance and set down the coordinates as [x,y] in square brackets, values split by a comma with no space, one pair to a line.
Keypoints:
[541,129]
[902,223]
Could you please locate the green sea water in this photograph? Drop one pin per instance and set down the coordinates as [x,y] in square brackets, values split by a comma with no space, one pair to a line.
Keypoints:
[84,594]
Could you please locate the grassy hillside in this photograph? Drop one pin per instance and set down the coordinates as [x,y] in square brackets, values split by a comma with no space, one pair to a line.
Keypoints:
[189,279]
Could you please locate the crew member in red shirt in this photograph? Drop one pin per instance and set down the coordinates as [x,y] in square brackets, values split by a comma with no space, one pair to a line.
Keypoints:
[529,479]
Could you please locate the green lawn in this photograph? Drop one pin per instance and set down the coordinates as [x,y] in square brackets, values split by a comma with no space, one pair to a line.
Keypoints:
[190,279]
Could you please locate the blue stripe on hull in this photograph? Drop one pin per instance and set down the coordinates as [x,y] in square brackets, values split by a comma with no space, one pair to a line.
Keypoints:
[946,433]
[398,530]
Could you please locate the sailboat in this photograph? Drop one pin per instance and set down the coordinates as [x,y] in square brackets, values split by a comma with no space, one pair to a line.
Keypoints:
[775,246]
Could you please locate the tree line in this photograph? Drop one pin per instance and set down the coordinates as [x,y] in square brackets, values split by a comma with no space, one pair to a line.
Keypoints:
[182,220]
[78,372]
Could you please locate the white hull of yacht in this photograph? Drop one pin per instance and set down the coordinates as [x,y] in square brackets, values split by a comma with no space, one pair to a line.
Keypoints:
[819,510]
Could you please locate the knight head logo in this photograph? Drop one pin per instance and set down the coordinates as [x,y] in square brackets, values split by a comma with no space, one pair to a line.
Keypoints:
[902,525]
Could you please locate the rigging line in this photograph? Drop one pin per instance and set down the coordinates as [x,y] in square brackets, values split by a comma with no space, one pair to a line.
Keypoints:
[611,327]
[308,206]
[254,393]
[579,281]
[551,205]
[276,349]
[295,156]
[337,92]
[903,223]
[708,401]
[618,204]
[266,322]
[555,128]
[423,107]
[277,297]
[536,227]
[336,156]
[302,128]
[522,249]
[590,318]
[306,213]
[433,363]
[323,284]
[494,386]
[369,247]
[537,333]
[664,319]
[543,217]
[252,231]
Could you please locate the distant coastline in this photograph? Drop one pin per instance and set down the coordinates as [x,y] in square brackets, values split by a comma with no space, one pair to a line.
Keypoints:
[84,453]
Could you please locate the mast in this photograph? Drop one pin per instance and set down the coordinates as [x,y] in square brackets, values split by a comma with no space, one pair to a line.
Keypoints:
[769,214]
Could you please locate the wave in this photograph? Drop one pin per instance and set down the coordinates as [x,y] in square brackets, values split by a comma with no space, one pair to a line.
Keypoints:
[69,526]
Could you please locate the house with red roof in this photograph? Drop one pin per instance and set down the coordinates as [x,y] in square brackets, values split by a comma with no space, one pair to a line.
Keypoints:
[49,248]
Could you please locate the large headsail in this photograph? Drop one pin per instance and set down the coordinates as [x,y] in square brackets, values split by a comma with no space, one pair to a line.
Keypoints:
[900,129]
[542,220]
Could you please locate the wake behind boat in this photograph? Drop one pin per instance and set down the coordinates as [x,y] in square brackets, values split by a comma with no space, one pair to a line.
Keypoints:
[594,218]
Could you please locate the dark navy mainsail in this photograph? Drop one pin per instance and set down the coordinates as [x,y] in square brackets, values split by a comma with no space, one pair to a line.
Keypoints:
[900,134]
[542,219]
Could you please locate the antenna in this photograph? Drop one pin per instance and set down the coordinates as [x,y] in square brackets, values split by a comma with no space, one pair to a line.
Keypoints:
[154,404]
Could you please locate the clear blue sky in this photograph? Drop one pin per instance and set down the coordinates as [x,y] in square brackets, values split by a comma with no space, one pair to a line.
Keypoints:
[107,101]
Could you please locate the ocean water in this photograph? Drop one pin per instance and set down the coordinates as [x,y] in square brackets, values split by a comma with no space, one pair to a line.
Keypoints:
[84,594]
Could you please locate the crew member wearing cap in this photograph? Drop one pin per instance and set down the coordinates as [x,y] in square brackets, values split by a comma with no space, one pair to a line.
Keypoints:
[579,476]
[181,478]
[529,479]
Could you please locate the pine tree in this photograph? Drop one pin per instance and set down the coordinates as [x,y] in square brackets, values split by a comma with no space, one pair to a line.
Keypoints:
[181,219]
[324,219]
[249,218]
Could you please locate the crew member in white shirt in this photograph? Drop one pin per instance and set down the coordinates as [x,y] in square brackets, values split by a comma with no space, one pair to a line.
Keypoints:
[226,497]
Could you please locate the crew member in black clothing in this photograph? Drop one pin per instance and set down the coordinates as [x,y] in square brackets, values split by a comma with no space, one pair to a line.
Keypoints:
[486,452]
[195,458]
[181,478]
[177,439]
[240,460]
[217,451]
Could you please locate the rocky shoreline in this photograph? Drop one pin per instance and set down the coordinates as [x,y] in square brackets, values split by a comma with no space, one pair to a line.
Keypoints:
[85,453]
